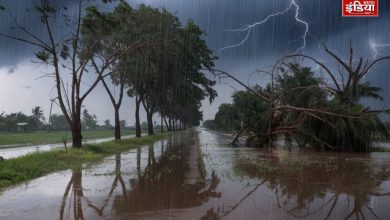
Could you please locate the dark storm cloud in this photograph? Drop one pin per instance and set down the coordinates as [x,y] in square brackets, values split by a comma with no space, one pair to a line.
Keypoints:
[23,11]
[276,36]
[266,42]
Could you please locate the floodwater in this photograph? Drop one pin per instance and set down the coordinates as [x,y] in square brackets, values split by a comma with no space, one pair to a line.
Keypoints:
[12,152]
[197,175]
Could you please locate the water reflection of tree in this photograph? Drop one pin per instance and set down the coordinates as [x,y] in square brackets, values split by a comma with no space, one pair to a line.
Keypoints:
[298,184]
[158,185]
[75,190]
[118,180]
[162,184]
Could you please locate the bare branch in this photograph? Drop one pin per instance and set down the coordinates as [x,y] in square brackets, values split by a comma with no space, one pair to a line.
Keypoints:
[339,60]
[215,71]
[320,64]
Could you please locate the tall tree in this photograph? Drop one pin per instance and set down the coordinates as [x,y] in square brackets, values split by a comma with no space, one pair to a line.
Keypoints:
[115,35]
[37,117]
[37,113]
[65,54]
[144,75]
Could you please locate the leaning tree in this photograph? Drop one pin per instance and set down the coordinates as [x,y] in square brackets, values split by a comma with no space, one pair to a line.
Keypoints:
[115,36]
[314,111]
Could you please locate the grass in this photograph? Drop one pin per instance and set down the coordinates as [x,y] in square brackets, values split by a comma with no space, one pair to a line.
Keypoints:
[379,149]
[44,137]
[28,167]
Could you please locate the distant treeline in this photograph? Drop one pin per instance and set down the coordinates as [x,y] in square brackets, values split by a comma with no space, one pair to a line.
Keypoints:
[20,122]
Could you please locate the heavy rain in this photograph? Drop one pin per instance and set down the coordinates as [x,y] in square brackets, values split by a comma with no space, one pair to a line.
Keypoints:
[194,109]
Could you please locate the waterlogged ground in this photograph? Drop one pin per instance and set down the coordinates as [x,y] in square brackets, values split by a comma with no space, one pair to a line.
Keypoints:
[17,151]
[197,175]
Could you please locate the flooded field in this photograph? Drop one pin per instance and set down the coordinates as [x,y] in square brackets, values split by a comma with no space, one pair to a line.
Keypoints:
[12,152]
[198,175]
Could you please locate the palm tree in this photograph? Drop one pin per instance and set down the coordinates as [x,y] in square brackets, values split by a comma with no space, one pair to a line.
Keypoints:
[37,113]
[37,117]
[362,90]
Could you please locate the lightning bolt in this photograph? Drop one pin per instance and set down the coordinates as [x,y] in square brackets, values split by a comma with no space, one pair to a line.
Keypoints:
[374,47]
[248,28]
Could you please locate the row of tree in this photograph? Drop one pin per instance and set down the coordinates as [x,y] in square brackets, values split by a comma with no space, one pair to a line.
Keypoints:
[324,111]
[145,52]
[19,121]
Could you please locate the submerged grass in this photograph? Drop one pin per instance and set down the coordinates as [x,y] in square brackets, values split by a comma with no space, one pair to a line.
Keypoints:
[17,170]
[380,149]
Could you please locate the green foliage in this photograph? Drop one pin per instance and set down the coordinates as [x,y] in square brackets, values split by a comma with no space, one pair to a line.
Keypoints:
[341,132]
[227,118]
[247,106]
[34,165]
[58,122]
[10,122]
[37,119]
[355,93]
[42,56]
[166,72]
[210,124]
[300,88]
[346,134]
[306,112]
[247,110]
[89,121]
[51,137]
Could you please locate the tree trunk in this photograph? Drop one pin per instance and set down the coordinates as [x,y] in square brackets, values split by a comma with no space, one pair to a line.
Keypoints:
[166,124]
[162,124]
[137,122]
[76,134]
[117,124]
[76,127]
[149,117]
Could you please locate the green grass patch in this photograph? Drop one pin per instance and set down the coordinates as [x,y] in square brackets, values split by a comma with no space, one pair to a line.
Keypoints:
[380,149]
[45,137]
[17,170]
[113,147]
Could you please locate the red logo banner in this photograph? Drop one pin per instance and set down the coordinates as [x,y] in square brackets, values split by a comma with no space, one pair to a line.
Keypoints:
[360,8]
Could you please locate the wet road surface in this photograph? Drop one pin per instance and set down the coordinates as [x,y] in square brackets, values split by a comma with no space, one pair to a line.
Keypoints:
[198,175]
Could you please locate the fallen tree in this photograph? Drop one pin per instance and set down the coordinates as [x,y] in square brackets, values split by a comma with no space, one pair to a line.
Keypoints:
[309,111]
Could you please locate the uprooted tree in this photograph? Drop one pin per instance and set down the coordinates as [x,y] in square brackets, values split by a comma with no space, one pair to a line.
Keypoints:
[307,110]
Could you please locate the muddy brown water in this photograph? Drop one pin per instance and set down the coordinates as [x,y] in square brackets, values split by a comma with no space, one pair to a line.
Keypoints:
[197,175]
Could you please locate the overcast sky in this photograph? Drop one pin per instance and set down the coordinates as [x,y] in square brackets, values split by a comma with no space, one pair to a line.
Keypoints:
[20,89]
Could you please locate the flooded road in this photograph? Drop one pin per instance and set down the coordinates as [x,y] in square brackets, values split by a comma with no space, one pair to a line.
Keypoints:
[197,175]
[12,152]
